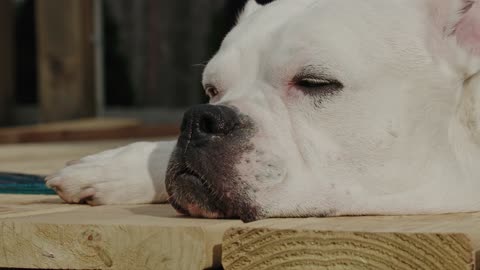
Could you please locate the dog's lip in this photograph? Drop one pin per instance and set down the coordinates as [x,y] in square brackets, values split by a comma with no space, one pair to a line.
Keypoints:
[185,207]
[189,171]
[194,209]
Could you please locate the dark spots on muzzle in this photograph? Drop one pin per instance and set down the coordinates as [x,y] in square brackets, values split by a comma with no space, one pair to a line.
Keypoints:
[202,170]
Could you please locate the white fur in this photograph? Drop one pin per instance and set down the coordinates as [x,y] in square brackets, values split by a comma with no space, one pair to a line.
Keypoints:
[249,9]
[402,137]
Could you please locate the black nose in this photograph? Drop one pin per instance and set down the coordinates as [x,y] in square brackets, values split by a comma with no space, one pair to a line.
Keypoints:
[201,123]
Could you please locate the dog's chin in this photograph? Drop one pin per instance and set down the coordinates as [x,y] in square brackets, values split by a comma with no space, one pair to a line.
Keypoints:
[191,195]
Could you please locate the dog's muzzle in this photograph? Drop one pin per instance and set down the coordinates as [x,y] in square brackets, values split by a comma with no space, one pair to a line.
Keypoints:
[202,179]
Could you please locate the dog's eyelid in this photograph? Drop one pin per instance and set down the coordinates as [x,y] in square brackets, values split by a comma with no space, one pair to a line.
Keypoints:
[313,73]
[314,79]
[315,82]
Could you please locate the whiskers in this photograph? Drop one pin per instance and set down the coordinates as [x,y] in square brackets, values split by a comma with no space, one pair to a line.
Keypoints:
[200,65]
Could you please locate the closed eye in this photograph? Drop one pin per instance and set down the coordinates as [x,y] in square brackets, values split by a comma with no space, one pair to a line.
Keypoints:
[317,86]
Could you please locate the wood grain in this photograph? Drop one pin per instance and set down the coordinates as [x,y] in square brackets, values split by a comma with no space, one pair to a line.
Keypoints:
[109,237]
[41,232]
[44,233]
[411,242]
[290,249]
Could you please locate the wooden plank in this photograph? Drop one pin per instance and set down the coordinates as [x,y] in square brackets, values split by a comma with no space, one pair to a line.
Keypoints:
[43,159]
[410,242]
[65,59]
[7,53]
[110,237]
[42,232]
[85,129]
[14,206]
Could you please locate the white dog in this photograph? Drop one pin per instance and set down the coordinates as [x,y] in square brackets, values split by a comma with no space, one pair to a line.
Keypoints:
[317,108]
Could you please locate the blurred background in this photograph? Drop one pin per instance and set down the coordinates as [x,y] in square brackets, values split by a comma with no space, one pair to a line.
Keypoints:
[121,68]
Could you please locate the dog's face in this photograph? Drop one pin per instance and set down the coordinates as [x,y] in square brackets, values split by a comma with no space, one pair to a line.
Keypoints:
[315,103]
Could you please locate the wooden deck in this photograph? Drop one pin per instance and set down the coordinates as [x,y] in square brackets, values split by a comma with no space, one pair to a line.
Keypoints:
[43,232]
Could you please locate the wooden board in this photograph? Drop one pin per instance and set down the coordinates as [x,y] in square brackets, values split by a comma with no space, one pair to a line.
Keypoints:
[85,129]
[42,232]
[410,242]
[65,59]
[7,54]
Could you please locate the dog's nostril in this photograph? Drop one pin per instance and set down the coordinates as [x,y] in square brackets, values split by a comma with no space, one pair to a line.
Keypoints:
[203,122]
[209,125]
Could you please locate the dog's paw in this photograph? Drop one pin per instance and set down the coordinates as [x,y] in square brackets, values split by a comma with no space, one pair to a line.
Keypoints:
[128,175]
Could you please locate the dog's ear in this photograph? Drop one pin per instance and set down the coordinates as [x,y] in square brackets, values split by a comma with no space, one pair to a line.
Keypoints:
[249,8]
[459,19]
[467,30]
[458,22]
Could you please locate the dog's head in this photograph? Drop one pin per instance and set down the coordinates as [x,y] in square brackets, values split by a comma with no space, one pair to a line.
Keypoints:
[315,103]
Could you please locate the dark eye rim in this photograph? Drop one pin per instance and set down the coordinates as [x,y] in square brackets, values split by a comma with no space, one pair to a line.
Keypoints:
[211,90]
[317,84]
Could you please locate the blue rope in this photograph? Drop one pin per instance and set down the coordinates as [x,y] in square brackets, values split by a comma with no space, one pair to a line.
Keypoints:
[12,183]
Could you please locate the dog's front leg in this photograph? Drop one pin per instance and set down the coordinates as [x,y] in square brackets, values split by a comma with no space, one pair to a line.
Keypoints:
[132,174]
